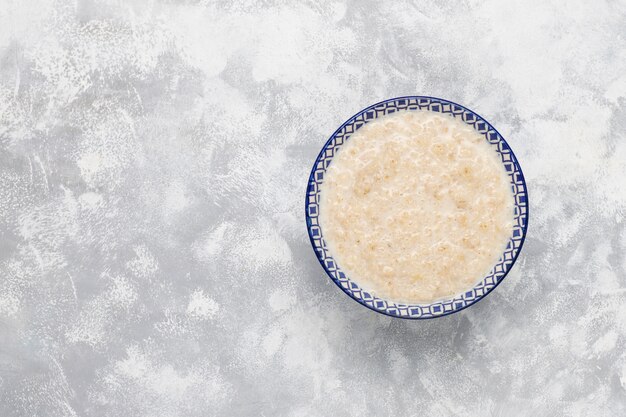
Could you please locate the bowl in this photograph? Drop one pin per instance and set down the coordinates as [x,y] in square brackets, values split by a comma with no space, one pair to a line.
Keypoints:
[441,307]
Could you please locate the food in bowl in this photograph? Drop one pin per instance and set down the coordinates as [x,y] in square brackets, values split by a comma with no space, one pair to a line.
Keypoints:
[416,206]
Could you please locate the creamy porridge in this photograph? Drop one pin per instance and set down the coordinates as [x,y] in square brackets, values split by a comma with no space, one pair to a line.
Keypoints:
[416,206]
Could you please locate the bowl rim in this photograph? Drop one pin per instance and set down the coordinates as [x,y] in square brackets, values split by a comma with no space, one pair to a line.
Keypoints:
[361,301]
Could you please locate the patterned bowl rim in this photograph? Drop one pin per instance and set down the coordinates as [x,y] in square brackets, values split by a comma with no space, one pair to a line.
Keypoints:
[457,302]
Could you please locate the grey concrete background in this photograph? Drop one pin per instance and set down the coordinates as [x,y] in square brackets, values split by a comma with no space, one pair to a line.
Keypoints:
[153,254]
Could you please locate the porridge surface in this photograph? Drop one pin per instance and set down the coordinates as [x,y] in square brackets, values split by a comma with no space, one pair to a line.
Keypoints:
[416,206]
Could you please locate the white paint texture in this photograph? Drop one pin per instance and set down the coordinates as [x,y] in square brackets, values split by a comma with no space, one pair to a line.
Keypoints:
[153,254]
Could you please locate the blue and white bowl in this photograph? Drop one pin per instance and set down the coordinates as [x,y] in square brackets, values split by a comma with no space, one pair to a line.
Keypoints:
[440,307]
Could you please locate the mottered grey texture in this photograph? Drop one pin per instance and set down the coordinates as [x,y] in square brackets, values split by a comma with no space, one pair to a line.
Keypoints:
[154,259]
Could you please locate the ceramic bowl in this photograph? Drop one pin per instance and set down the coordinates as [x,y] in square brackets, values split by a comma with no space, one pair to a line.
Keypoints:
[441,307]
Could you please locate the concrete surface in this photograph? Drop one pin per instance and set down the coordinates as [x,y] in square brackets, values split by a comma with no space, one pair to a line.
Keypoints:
[153,163]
